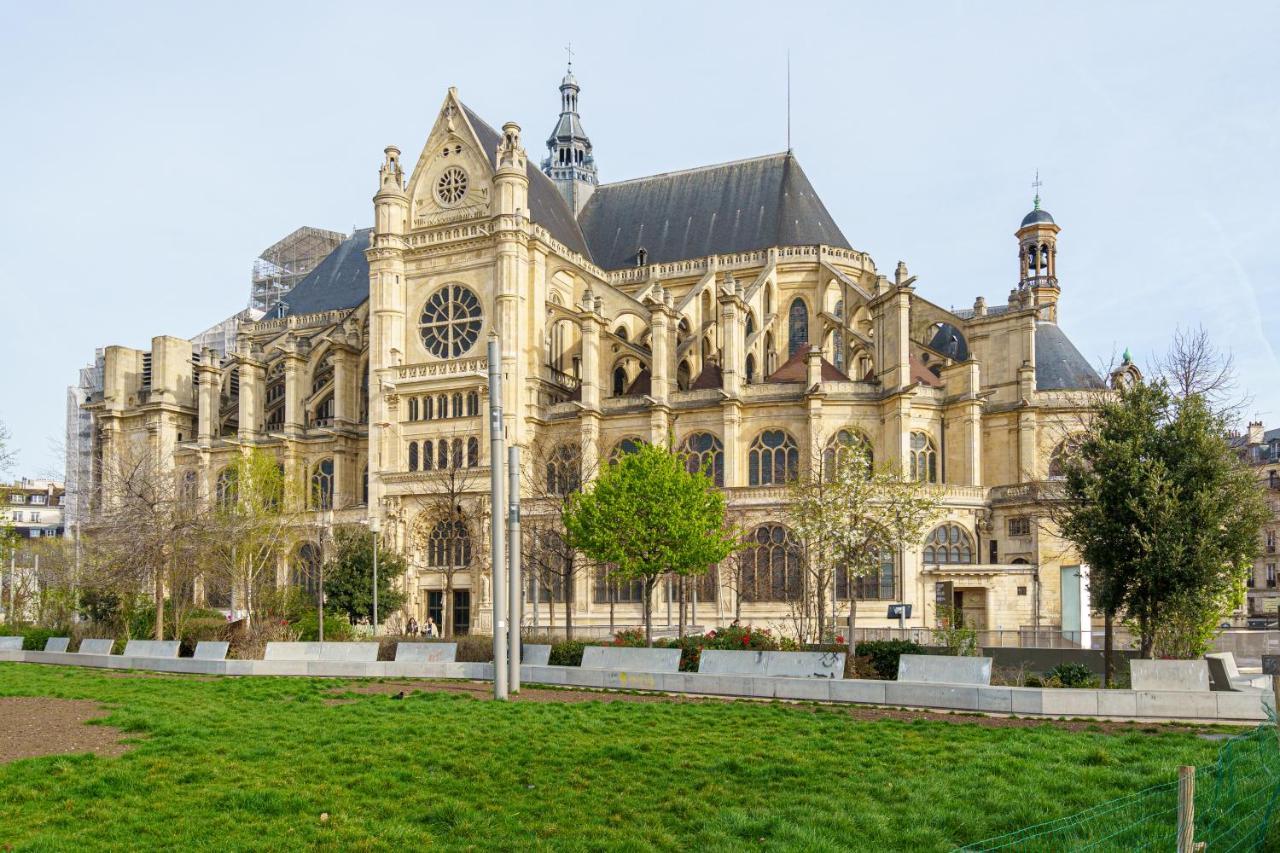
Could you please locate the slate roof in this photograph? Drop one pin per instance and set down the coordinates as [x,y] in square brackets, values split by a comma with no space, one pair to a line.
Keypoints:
[951,342]
[733,207]
[546,206]
[338,282]
[1059,365]
[1036,216]
[796,369]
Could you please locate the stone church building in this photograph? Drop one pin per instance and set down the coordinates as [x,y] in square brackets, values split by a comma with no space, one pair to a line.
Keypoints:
[721,306]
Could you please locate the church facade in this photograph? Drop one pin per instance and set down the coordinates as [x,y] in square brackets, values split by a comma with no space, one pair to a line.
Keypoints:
[720,308]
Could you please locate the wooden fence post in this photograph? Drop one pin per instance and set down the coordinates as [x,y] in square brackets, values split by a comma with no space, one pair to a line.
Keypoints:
[1186,809]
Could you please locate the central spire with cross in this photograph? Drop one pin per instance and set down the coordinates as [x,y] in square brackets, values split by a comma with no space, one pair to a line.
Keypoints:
[1035,185]
[569,161]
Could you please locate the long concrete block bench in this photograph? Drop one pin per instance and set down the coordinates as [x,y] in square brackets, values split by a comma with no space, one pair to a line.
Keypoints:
[57,644]
[784,664]
[944,669]
[1188,676]
[211,650]
[535,654]
[1224,675]
[625,658]
[151,648]
[426,652]
[10,644]
[96,646]
[345,652]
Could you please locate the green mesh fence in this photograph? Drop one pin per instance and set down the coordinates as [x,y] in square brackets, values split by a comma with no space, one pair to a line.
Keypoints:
[1236,798]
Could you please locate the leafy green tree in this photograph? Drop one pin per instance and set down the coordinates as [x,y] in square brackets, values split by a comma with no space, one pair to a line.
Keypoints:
[348,575]
[647,515]
[1162,509]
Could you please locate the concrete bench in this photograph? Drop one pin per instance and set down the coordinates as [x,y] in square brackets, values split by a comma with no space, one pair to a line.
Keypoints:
[10,644]
[211,650]
[346,652]
[535,654]
[944,669]
[1224,675]
[151,648]
[57,644]
[96,646]
[1182,676]
[426,652]
[786,664]
[631,659]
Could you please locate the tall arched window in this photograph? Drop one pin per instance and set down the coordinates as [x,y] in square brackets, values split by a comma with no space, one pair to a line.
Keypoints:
[846,444]
[619,381]
[621,332]
[797,326]
[948,543]
[751,368]
[322,485]
[873,586]
[473,403]
[473,452]
[770,357]
[442,406]
[1066,448]
[774,458]
[456,403]
[413,456]
[704,452]
[564,470]
[924,458]
[449,546]
[455,453]
[442,454]
[305,571]
[190,489]
[225,491]
[364,479]
[428,410]
[627,445]
[683,376]
[413,408]
[751,324]
[428,455]
[771,565]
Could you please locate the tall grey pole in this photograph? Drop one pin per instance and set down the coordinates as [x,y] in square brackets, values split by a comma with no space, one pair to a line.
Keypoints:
[13,580]
[75,615]
[498,569]
[374,527]
[515,587]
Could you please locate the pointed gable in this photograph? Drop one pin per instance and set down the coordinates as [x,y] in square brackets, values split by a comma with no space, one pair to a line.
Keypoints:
[733,207]
[795,369]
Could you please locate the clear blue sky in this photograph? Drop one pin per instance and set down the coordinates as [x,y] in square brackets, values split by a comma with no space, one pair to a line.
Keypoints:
[148,152]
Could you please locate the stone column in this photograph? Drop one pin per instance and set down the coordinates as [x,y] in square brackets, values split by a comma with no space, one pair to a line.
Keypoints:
[344,387]
[294,417]
[208,398]
[252,393]
[662,324]
[590,323]
[731,312]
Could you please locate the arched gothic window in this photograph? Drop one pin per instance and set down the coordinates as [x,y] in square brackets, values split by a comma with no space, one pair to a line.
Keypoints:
[770,357]
[442,406]
[948,543]
[442,454]
[682,376]
[364,478]
[428,455]
[428,409]
[1066,448]
[771,565]
[704,453]
[751,324]
[225,490]
[924,458]
[751,368]
[455,453]
[473,403]
[473,452]
[456,402]
[449,545]
[322,485]
[797,326]
[873,586]
[619,381]
[621,332]
[627,445]
[846,442]
[774,458]
[190,489]
[413,408]
[413,456]
[564,470]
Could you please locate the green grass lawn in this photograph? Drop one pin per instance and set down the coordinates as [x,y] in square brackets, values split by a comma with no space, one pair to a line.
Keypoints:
[240,763]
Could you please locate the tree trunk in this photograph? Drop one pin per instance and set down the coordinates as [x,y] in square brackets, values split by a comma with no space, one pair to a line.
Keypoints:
[613,597]
[853,618]
[650,584]
[680,620]
[1108,646]
[446,605]
[568,606]
[822,615]
[159,605]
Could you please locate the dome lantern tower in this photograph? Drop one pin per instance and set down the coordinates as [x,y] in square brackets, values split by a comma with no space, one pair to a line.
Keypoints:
[1038,257]
[569,160]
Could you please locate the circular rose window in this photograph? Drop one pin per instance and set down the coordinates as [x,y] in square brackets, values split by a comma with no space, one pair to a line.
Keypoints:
[450,322]
[451,186]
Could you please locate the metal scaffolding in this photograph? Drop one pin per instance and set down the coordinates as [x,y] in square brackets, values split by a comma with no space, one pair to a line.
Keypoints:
[287,262]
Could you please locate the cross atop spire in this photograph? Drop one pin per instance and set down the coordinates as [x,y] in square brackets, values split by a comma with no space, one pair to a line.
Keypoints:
[1036,185]
[569,48]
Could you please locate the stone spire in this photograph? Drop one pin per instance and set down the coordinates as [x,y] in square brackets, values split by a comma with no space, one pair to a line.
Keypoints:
[569,160]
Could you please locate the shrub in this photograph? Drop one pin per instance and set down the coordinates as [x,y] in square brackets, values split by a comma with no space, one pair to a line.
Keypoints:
[33,639]
[883,655]
[472,648]
[337,627]
[567,653]
[1072,675]
[197,628]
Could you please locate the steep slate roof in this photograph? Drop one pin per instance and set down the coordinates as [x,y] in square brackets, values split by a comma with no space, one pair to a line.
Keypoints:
[338,282]
[733,207]
[796,369]
[1059,365]
[546,206]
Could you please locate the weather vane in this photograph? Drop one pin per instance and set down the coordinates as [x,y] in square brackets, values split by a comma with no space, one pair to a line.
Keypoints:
[1036,185]
[569,49]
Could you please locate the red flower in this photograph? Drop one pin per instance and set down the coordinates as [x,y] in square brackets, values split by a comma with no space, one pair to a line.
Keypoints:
[746,638]
[839,639]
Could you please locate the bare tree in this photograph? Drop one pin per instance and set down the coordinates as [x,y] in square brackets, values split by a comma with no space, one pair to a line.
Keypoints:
[449,530]
[1194,365]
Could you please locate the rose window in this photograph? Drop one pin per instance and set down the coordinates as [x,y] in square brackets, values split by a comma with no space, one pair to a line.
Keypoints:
[450,322]
[451,186]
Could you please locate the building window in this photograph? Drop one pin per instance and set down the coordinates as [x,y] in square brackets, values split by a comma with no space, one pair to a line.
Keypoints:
[17,499]
[605,590]
[225,487]
[1022,590]
[751,369]
[450,321]
[17,516]
[924,458]
[449,545]
[622,448]
[797,326]
[442,454]
[442,406]
[619,381]
[456,404]
[473,452]
[473,403]
[564,472]
[774,458]
[704,453]
[771,566]
[189,488]
[880,585]
[413,456]
[948,543]
[428,455]
[413,408]
[322,485]
[1020,526]
[1271,575]
[841,445]
[39,500]
[428,409]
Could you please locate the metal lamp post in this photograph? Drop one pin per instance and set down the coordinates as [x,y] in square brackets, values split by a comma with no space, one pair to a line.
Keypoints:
[326,534]
[375,527]
[498,554]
